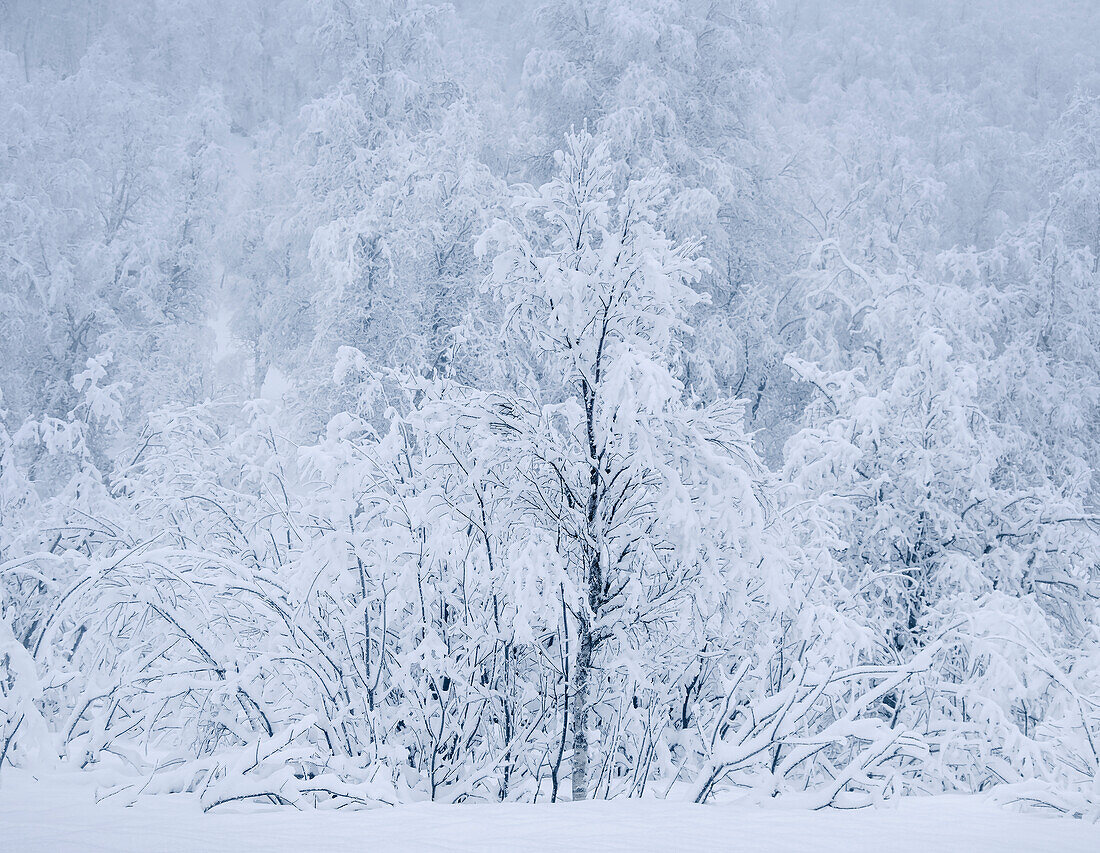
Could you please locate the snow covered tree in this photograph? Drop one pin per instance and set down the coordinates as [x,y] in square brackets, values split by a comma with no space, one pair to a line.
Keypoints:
[656,503]
[684,88]
[382,198]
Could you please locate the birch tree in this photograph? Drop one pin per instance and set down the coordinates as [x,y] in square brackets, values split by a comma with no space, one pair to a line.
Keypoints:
[659,505]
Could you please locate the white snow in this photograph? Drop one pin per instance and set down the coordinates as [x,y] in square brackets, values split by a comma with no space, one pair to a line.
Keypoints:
[58,813]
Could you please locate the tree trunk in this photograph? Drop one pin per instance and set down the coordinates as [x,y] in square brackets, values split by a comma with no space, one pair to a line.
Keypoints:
[594,580]
[580,709]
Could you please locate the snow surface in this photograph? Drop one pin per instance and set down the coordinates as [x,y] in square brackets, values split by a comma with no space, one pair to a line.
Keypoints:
[59,813]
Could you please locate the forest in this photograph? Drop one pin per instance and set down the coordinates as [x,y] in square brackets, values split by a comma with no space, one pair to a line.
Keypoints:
[548,400]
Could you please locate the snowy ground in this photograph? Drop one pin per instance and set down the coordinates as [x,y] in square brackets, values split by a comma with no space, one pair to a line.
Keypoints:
[58,814]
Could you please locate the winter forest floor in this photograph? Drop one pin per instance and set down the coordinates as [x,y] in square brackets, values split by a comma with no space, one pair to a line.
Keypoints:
[58,814]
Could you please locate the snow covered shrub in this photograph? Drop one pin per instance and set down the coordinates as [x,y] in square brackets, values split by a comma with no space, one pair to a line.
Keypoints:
[949,535]
[23,729]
